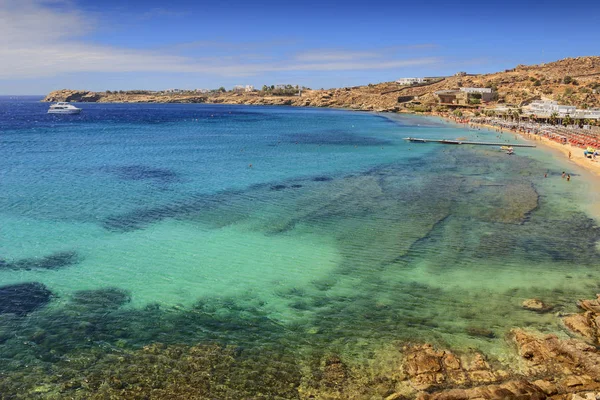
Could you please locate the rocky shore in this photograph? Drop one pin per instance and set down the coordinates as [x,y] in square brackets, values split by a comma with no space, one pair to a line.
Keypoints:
[543,367]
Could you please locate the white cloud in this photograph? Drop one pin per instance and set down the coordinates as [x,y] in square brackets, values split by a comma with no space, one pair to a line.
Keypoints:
[42,39]
[162,13]
[335,55]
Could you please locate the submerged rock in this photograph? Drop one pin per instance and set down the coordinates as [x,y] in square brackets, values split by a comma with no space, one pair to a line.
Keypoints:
[427,368]
[536,305]
[481,332]
[143,172]
[105,298]
[53,261]
[334,371]
[23,298]
[322,179]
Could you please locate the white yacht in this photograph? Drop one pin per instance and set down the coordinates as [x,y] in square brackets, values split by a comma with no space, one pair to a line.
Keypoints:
[63,108]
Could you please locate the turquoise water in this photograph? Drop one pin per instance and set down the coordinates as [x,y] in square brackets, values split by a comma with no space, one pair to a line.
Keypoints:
[306,229]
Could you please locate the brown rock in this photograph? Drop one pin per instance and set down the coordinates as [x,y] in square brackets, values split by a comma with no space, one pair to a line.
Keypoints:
[478,363]
[334,372]
[572,381]
[591,305]
[508,390]
[552,356]
[582,324]
[451,361]
[547,387]
[426,380]
[422,360]
[536,305]
[457,377]
[482,376]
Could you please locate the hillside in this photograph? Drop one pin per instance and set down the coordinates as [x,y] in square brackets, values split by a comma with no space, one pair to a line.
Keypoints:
[580,88]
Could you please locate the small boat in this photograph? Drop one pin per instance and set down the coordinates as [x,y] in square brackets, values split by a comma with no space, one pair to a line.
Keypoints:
[63,108]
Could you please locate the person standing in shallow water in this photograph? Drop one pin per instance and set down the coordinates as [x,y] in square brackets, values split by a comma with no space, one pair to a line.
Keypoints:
[563,174]
[568,177]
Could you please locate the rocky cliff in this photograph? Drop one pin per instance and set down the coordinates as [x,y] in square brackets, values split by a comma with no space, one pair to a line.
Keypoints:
[574,81]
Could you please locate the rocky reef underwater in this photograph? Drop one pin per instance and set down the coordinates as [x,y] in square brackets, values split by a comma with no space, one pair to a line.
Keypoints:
[405,314]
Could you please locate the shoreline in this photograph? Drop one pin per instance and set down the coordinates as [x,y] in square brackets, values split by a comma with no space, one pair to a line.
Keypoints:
[577,156]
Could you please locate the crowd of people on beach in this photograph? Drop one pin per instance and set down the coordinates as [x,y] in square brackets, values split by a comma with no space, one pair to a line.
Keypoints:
[573,135]
[588,139]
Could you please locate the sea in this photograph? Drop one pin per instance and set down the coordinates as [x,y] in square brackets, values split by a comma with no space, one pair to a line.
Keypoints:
[283,233]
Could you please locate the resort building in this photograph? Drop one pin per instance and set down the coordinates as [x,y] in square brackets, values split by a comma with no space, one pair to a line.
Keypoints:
[448,96]
[549,107]
[487,94]
[592,113]
[410,81]
[544,109]
[475,90]
[465,96]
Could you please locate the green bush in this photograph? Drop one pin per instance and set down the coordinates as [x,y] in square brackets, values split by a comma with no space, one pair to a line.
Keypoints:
[567,79]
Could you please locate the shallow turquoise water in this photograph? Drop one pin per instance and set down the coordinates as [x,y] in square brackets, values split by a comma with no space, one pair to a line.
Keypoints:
[315,229]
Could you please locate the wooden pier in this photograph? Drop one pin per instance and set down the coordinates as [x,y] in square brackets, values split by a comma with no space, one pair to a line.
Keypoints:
[448,141]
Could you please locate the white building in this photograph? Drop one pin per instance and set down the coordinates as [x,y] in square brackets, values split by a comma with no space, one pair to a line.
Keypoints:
[487,94]
[549,107]
[592,113]
[545,108]
[249,88]
[475,90]
[202,90]
[410,81]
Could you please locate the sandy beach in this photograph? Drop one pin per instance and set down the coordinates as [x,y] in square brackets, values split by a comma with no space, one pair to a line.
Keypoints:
[576,154]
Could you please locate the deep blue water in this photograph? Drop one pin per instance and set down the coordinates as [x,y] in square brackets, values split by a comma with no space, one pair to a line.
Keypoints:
[311,229]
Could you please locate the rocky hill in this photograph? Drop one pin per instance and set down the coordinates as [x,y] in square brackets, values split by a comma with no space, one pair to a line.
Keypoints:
[573,81]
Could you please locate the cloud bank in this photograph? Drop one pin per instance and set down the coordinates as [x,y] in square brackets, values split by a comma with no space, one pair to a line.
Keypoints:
[44,39]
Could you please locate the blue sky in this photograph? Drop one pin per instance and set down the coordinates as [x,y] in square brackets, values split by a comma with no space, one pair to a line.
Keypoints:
[52,44]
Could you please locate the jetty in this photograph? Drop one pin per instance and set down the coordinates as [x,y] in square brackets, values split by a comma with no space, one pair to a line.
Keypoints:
[449,141]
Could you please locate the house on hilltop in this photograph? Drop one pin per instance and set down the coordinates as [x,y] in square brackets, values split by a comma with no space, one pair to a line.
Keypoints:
[410,81]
